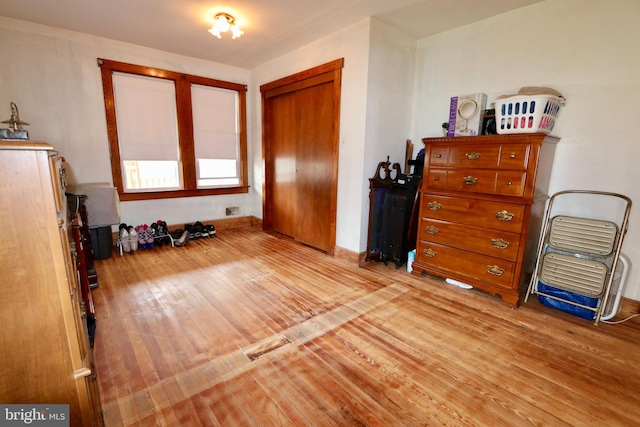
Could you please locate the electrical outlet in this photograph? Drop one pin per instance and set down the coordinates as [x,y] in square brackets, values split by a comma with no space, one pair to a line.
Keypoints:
[232,211]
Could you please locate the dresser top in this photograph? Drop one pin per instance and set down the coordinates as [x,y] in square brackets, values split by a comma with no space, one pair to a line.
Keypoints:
[487,139]
[16,144]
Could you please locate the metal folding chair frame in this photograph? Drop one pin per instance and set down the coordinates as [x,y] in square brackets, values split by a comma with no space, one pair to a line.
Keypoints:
[580,254]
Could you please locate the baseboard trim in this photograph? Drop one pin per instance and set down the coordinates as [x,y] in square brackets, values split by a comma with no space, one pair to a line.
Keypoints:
[346,255]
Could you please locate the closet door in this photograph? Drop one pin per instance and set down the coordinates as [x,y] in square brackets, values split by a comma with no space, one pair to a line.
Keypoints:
[315,159]
[283,146]
[300,148]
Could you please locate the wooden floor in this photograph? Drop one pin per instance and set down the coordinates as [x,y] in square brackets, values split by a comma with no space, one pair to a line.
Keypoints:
[251,329]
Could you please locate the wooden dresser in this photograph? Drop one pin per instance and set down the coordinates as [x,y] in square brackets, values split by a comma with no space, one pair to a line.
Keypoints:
[481,210]
[45,353]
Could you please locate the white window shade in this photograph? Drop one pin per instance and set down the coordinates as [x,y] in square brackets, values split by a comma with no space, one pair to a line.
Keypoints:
[146,117]
[215,122]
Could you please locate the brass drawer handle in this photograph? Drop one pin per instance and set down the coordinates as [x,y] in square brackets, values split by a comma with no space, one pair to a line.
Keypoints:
[431,229]
[504,216]
[434,206]
[429,252]
[438,156]
[512,156]
[495,270]
[499,243]
[469,180]
[509,183]
[473,155]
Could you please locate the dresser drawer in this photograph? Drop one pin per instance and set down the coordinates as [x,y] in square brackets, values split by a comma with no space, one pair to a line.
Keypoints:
[480,213]
[457,262]
[505,183]
[507,156]
[495,243]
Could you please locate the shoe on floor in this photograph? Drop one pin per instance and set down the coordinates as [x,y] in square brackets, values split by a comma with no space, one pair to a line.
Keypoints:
[123,238]
[183,239]
[149,236]
[133,238]
[142,237]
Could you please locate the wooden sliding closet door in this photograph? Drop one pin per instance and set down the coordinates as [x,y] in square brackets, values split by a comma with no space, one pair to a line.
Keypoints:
[300,148]
[282,192]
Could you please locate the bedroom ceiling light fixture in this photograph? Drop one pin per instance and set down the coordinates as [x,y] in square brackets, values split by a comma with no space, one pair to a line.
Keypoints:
[224,22]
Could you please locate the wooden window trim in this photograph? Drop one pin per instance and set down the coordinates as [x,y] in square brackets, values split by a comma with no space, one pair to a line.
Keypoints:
[185,130]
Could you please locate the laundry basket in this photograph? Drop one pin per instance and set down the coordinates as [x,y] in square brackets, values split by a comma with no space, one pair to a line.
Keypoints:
[527,113]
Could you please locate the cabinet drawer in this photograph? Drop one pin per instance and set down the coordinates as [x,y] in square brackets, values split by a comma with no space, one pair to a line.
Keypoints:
[457,262]
[507,156]
[496,243]
[477,181]
[480,213]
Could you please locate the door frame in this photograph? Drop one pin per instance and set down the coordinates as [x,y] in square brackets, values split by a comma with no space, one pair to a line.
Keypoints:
[328,72]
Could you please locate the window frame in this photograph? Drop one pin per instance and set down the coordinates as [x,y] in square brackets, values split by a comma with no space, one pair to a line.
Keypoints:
[184,117]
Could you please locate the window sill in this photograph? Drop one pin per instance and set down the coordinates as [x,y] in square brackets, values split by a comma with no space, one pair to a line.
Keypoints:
[126,197]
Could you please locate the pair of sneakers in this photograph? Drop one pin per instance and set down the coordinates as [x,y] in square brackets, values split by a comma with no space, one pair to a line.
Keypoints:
[198,230]
[146,236]
[128,238]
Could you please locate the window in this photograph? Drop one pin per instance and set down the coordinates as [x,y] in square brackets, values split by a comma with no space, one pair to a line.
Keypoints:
[173,134]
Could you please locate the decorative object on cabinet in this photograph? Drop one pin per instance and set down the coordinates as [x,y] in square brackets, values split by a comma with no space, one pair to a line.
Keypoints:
[378,187]
[482,203]
[579,252]
[465,115]
[15,130]
[489,122]
[46,354]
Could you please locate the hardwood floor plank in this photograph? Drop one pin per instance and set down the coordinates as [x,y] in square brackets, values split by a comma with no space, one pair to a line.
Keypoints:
[250,328]
[274,379]
[329,400]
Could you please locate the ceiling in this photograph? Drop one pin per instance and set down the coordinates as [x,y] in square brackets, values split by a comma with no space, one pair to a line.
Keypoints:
[272,27]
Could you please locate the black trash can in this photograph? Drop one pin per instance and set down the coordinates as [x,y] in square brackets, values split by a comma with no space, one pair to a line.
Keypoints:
[101,242]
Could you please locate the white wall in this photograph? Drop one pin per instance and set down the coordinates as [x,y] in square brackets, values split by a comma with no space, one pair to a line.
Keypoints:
[389,103]
[53,77]
[586,49]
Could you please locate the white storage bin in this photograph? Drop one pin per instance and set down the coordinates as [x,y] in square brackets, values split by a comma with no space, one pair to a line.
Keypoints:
[527,114]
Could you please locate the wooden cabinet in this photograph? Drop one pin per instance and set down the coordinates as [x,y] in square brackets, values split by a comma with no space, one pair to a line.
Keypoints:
[482,203]
[45,353]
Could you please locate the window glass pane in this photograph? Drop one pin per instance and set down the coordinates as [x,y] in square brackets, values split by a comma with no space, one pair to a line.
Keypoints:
[217,173]
[155,175]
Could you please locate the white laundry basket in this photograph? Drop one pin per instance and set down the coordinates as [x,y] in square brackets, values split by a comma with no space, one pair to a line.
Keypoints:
[527,114]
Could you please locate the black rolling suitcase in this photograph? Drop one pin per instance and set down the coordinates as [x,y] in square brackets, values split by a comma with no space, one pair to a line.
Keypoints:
[397,219]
